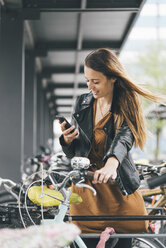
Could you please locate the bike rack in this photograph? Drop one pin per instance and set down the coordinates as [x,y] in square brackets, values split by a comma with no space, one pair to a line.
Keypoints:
[126,235]
[115,217]
[122,218]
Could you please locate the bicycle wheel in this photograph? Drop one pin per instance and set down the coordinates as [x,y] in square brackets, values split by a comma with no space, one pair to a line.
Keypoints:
[146,243]
[163,230]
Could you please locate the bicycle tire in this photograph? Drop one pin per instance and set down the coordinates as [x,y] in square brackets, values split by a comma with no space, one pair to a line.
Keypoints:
[138,243]
[147,243]
[163,230]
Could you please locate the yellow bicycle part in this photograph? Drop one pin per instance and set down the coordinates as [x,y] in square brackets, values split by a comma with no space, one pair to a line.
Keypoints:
[35,195]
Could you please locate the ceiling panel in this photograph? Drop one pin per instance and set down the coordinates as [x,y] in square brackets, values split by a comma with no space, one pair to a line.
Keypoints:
[104,25]
[58,58]
[56,26]
[67,78]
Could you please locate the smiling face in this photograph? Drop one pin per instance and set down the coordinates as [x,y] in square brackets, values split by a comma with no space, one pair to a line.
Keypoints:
[98,83]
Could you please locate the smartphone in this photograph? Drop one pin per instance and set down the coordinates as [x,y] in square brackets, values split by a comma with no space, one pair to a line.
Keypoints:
[62,119]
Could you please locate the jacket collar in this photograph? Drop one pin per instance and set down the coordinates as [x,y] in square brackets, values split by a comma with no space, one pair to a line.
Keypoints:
[88,100]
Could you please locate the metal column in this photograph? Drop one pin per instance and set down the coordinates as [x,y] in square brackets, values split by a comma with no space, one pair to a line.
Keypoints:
[11,96]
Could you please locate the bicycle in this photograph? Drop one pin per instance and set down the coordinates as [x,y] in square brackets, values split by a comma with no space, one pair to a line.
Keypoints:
[80,167]
[155,187]
[148,171]
[77,175]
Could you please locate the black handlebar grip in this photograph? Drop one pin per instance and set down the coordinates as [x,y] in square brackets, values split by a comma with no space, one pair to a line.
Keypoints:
[156,181]
[90,175]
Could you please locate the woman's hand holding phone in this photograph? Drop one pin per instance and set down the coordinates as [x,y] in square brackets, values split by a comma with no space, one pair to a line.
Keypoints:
[69,132]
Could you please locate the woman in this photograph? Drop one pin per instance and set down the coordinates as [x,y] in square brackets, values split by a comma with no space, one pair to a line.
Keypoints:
[107,122]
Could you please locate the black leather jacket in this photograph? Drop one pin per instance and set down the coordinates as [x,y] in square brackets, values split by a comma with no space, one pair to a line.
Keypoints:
[118,145]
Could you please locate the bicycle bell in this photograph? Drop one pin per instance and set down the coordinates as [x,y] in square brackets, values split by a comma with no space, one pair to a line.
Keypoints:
[80,163]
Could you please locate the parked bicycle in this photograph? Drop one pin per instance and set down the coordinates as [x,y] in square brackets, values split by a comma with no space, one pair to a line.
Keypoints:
[49,186]
[77,175]
[153,190]
[153,185]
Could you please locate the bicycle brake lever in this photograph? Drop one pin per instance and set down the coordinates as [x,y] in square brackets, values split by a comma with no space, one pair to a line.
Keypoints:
[83,185]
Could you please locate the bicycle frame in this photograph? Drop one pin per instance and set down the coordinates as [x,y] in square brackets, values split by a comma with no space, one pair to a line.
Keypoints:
[154,192]
[59,218]
[145,191]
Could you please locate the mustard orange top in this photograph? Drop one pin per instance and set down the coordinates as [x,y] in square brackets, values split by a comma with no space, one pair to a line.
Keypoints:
[109,199]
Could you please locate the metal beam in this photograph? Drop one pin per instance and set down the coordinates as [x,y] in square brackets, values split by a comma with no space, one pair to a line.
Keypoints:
[15,8]
[64,105]
[34,13]
[42,48]
[51,86]
[13,4]
[63,97]
[65,114]
[76,4]
[78,10]
[94,44]
[47,71]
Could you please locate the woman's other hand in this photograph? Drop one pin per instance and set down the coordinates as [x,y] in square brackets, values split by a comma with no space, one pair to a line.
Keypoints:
[68,136]
[108,171]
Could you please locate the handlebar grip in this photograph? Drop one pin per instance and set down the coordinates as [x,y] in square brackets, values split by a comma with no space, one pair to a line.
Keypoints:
[156,181]
[90,175]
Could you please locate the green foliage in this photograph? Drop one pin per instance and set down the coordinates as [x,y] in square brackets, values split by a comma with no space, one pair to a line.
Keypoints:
[151,68]
[155,124]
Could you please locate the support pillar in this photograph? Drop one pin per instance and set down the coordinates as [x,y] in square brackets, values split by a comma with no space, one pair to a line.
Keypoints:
[30,106]
[11,96]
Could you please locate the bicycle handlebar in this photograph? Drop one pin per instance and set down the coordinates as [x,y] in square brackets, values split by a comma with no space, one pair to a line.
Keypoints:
[149,165]
[2,181]
[79,176]
[154,182]
[90,174]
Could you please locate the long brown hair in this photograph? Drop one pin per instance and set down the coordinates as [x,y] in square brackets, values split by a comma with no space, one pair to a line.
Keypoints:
[126,95]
